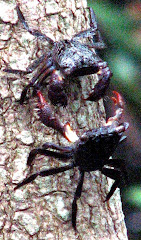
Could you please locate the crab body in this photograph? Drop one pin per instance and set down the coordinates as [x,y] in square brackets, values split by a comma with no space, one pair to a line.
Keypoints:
[67,59]
[89,152]
[94,148]
[74,58]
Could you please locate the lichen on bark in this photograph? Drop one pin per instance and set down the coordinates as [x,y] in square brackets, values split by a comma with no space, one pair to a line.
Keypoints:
[42,210]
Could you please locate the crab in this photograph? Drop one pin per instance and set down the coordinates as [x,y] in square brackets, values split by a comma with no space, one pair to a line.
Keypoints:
[66,60]
[89,152]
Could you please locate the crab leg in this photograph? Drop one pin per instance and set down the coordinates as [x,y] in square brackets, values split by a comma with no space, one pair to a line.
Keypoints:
[77,195]
[33,32]
[64,156]
[45,70]
[91,32]
[44,173]
[28,70]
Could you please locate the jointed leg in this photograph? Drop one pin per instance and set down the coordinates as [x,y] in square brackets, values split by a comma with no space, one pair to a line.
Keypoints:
[112,190]
[98,44]
[29,69]
[115,174]
[33,32]
[76,197]
[91,32]
[62,155]
[44,173]
[45,69]
[56,147]
[119,164]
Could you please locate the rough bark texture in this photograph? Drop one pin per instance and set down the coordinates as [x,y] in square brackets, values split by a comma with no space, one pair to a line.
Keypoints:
[42,210]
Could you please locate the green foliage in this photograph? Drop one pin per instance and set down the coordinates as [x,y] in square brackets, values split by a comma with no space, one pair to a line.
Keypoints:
[123,51]
[133,196]
[120,24]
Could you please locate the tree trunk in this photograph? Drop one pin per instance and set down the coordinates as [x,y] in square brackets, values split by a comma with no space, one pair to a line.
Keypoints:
[42,209]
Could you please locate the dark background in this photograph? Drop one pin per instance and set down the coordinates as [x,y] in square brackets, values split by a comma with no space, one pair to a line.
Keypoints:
[120,26]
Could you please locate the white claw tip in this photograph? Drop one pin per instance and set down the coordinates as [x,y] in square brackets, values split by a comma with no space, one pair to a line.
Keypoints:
[70,134]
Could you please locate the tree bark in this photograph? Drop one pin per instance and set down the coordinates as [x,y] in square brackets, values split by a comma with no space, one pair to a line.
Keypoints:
[42,209]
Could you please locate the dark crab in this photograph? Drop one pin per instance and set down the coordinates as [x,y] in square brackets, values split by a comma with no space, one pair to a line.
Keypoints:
[67,59]
[89,152]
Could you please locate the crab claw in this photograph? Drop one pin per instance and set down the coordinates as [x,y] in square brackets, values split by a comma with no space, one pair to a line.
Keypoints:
[70,134]
[102,85]
[119,112]
[118,99]
[46,116]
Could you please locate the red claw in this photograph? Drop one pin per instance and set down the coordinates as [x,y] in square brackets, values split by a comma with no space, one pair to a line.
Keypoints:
[118,99]
[42,100]
[49,119]
[118,113]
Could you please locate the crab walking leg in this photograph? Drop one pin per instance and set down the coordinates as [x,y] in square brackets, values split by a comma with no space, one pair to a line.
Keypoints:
[33,32]
[64,156]
[28,70]
[91,32]
[112,190]
[77,195]
[119,163]
[47,68]
[56,147]
[44,173]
